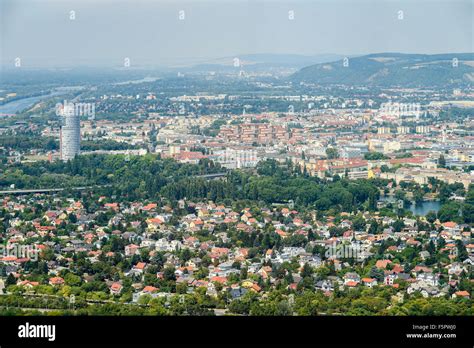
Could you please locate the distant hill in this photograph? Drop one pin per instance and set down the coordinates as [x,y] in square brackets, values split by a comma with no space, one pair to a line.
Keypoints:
[392,69]
[259,62]
[289,60]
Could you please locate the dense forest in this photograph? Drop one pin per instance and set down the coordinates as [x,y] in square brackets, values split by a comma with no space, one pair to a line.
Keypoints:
[150,177]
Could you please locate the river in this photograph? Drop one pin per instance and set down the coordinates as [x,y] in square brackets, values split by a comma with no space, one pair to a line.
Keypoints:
[143,80]
[25,103]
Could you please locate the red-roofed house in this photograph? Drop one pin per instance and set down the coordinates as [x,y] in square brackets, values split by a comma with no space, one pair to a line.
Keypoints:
[56,281]
[369,282]
[463,294]
[116,288]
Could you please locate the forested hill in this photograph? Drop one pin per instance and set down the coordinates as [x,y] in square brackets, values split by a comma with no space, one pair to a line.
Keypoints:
[393,69]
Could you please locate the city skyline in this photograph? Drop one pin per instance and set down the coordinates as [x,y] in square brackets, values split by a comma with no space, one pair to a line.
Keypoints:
[161,160]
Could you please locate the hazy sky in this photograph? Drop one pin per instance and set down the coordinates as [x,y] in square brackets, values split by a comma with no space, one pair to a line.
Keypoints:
[104,32]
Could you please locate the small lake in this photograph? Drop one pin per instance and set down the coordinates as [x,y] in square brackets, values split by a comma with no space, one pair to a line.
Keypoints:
[418,209]
[423,208]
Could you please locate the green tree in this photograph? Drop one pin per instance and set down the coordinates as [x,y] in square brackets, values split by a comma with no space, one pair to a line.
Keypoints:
[10,280]
[307,270]
[168,274]
[431,216]
[332,153]
[441,161]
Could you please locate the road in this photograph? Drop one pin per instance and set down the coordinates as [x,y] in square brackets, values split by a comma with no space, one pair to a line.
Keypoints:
[48,190]
[52,190]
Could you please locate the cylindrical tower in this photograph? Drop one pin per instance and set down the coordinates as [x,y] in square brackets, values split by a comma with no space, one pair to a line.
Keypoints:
[70,136]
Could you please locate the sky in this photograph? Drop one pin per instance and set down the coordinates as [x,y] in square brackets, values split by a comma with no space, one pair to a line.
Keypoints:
[151,32]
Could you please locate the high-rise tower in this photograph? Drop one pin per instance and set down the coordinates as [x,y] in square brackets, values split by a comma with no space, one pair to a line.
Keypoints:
[70,135]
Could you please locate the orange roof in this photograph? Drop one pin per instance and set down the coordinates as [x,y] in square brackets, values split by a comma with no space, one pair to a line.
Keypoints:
[462,293]
[409,160]
[423,268]
[140,265]
[116,286]
[155,221]
[150,206]
[221,280]
[56,280]
[27,282]
[188,155]
[411,241]
[397,269]
[149,288]
[382,263]
[221,251]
